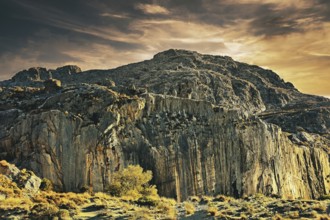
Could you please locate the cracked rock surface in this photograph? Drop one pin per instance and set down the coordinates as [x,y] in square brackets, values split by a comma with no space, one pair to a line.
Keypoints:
[203,124]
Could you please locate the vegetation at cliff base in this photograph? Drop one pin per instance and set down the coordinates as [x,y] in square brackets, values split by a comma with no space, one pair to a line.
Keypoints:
[253,207]
[132,183]
[130,196]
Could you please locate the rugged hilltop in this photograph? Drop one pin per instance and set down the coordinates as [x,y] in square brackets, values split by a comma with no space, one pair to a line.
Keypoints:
[203,124]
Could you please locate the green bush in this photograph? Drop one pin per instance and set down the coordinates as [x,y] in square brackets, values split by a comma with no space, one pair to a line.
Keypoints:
[133,182]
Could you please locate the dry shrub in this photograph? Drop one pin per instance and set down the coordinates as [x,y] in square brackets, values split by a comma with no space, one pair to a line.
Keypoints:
[141,215]
[167,206]
[294,214]
[277,217]
[50,196]
[206,199]
[64,214]
[323,217]
[4,163]
[16,203]
[194,198]
[319,207]
[46,185]
[149,196]
[100,202]
[65,203]
[243,216]
[44,209]
[189,207]
[78,198]
[221,198]
[39,198]
[102,195]
[212,210]
[9,188]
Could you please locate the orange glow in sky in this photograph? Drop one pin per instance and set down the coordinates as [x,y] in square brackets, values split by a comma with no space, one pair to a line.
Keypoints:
[291,37]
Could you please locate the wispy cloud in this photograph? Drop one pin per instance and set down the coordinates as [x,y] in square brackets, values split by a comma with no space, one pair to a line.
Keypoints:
[290,37]
[152,9]
[122,16]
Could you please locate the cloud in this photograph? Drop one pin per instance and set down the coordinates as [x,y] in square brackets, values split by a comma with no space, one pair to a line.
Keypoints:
[121,16]
[280,4]
[302,58]
[152,9]
[290,37]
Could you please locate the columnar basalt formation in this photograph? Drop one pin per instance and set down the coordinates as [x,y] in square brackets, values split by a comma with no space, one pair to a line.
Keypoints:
[203,124]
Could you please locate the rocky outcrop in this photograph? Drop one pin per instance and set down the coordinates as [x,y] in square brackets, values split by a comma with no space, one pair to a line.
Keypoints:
[24,179]
[203,124]
[52,85]
[41,74]
[32,74]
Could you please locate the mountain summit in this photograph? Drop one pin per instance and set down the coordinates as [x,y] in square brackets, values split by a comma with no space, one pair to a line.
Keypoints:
[203,124]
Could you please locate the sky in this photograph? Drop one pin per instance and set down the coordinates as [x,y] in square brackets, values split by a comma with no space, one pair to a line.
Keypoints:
[291,37]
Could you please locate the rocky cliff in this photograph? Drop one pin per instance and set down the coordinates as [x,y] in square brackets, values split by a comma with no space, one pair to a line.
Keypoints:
[203,124]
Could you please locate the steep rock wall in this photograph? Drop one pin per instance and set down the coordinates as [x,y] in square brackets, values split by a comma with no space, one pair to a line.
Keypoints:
[209,150]
[192,147]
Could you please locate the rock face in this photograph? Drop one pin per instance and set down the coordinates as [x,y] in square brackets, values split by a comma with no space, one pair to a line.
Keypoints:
[41,74]
[26,180]
[203,124]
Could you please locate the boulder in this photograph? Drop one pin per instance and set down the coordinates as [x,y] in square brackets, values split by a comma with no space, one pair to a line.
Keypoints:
[24,179]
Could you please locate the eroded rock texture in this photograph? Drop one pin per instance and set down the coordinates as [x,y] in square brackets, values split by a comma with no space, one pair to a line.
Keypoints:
[203,124]
[24,179]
